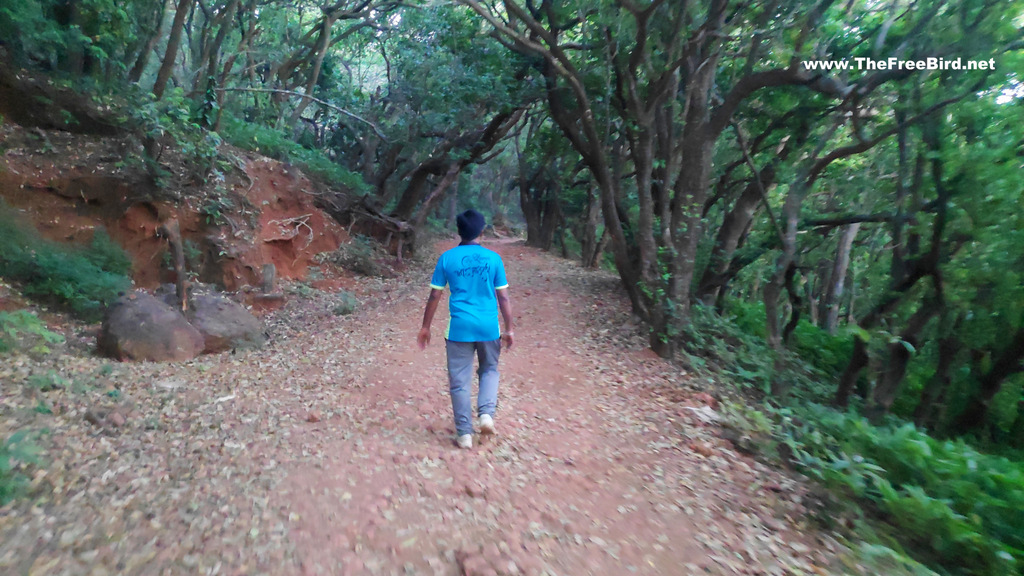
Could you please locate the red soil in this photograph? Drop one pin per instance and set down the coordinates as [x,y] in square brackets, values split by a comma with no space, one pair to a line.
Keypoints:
[78,186]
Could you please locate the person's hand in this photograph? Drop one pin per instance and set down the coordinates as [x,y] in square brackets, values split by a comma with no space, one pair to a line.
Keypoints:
[508,338]
[423,338]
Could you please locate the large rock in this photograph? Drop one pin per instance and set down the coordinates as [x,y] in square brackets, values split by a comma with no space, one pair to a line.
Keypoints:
[224,324]
[140,327]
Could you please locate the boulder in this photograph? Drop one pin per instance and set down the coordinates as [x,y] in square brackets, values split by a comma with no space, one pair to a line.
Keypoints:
[140,327]
[224,323]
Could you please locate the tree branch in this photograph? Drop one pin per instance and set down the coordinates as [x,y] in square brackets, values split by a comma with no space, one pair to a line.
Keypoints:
[317,100]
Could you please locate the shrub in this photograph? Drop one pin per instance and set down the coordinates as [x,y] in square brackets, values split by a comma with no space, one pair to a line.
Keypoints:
[946,505]
[16,452]
[83,281]
[273,143]
[958,510]
[829,353]
[360,256]
[51,380]
[346,303]
[22,329]
[716,342]
[107,254]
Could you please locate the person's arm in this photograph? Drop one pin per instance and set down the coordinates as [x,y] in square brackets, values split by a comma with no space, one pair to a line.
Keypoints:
[505,305]
[428,316]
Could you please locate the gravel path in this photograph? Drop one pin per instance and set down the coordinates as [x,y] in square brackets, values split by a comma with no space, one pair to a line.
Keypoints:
[331,452]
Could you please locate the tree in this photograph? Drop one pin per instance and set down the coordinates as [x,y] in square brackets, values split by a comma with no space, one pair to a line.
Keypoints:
[171,52]
[656,82]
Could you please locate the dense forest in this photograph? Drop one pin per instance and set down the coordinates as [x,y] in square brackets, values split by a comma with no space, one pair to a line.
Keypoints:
[818,201]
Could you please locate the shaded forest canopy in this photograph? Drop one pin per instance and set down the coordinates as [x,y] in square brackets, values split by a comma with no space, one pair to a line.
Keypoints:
[859,231]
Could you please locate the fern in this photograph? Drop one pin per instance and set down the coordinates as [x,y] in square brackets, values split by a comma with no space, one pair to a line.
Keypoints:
[15,453]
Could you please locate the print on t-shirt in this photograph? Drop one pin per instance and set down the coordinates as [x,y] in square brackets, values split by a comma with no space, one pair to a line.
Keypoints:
[472,273]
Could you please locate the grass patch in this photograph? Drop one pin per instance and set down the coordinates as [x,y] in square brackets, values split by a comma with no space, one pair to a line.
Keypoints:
[16,453]
[361,255]
[272,143]
[23,330]
[918,500]
[952,508]
[82,280]
[346,304]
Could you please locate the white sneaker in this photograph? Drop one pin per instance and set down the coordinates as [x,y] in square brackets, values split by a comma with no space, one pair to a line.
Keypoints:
[465,441]
[486,424]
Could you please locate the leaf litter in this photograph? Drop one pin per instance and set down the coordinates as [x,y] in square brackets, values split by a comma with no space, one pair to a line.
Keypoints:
[330,452]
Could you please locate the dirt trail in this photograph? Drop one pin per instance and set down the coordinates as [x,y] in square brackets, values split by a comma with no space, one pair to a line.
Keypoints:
[590,473]
[331,452]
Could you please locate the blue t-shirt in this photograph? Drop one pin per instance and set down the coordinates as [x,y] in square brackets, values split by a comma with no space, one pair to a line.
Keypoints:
[472,273]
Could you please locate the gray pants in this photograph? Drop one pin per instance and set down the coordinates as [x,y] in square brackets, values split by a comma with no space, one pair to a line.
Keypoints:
[460,380]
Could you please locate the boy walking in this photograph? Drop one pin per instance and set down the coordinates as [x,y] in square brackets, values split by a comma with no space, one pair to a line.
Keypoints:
[476,278]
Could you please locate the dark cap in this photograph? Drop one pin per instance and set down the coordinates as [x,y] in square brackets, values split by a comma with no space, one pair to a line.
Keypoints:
[471,223]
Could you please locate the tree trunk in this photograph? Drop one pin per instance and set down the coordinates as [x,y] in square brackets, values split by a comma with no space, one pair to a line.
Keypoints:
[323,43]
[848,381]
[795,304]
[899,354]
[75,50]
[1007,364]
[143,57]
[588,239]
[211,96]
[814,291]
[734,225]
[526,184]
[173,43]
[790,224]
[531,213]
[416,188]
[690,192]
[829,305]
[939,382]
[246,41]
[561,242]
[551,222]
[453,205]
[1017,428]
[473,146]
[451,178]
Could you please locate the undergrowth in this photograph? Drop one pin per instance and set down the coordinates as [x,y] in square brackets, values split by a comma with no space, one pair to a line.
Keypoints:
[275,144]
[916,499]
[346,303]
[362,255]
[23,330]
[83,280]
[951,507]
[16,452]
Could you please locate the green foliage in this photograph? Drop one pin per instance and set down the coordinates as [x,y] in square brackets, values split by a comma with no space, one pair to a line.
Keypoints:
[214,208]
[957,509]
[827,352]
[48,381]
[717,343]
[88,41]
[81,281]
[273,143]
[174,118]
[360,255]
[22,329]
[943,503]
[32,34]
[17,452]
[712,341]
[347,303]
[108,255]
